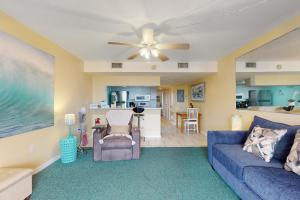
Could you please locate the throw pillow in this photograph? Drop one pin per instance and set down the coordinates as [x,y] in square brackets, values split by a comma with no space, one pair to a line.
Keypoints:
[293,159]
[114,129]
[262,142]
[283,147]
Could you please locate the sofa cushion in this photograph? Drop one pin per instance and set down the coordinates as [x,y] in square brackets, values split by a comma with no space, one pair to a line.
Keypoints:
[262,142]
[117,142]
[235,159]
[273,183]
[293,159]
[283,147]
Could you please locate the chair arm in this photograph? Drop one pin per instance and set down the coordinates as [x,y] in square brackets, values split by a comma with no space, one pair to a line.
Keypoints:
[97,149]
[136,136]
[224,137]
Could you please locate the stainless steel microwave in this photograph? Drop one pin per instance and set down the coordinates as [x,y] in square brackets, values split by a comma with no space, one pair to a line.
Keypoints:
[142,97]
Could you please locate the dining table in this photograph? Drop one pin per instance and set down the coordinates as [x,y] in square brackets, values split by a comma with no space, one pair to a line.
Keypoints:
[183,116]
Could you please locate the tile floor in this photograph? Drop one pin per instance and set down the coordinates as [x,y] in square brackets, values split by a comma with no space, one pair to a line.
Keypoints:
[173,137]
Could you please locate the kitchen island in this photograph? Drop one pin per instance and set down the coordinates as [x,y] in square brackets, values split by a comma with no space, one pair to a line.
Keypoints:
[150,123]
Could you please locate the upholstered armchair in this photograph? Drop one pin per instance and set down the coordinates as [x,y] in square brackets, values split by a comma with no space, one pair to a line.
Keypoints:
[108,146]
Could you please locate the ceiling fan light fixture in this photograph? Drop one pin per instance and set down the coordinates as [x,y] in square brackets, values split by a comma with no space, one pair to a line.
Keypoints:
[154,52]
[150,48]
[143,52]
[146,53]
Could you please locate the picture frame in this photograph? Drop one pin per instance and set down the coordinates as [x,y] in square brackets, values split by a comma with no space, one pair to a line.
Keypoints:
[198,92]
[180,96]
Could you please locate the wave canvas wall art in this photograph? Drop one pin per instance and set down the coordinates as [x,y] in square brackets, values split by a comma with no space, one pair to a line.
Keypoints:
[26,87]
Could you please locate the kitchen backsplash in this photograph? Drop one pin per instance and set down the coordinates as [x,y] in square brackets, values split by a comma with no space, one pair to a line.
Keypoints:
[280,94]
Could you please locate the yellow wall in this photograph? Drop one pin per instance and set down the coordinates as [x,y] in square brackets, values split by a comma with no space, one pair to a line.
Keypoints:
[276,79]
[101,81]
[219,104]
[72,90]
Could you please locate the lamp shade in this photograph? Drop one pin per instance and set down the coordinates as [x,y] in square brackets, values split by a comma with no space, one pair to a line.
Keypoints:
[236,123]
[69,119]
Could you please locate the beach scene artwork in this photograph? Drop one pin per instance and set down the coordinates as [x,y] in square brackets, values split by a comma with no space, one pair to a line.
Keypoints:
[26,87]
[198,92]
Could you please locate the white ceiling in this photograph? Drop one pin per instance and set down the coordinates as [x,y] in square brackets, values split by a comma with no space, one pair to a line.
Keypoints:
[285,48]
[214,28]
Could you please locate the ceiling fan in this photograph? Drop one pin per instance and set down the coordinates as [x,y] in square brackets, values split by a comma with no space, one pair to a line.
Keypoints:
[151,48]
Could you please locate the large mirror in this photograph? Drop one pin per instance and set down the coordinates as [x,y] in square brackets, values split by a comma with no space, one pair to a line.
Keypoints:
[268,78]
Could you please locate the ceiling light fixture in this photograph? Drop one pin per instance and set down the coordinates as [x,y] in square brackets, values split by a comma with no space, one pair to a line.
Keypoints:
[154,52]
[147,53]
[151,48]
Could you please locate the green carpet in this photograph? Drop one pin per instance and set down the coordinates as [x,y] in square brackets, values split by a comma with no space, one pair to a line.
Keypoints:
[161,173]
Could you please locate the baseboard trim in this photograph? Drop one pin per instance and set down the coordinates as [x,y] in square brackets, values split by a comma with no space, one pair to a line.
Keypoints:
[203,133]
[46,164]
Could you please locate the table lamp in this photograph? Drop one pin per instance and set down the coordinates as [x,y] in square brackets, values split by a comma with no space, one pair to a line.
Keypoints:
[70,121]
[236,123]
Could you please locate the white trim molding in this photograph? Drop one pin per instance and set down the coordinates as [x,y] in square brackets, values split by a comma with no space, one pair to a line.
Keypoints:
[46,164]
[151,67]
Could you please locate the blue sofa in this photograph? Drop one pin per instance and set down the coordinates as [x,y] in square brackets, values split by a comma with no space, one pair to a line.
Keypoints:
[248,175]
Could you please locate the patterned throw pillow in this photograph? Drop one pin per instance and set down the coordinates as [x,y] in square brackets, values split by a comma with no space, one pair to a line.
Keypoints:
[293,159]
[262,142]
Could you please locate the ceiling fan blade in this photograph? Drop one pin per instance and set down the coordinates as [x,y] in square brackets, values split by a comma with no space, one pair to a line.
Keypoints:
[133,56]
[173,46]
[125,44]
[162,57]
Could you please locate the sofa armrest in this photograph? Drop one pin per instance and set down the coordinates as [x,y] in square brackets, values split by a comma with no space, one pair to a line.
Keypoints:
[136,136]
[224,137]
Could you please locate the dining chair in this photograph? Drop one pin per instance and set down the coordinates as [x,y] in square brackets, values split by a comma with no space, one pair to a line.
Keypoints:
[191,122]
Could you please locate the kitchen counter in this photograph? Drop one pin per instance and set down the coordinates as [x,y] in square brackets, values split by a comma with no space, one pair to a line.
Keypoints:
[275,109]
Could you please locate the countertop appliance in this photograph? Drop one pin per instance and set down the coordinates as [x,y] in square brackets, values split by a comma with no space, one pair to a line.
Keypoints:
[143,104]
[240,97]
[120,98]
[139,98]
[241,101]
[131,104]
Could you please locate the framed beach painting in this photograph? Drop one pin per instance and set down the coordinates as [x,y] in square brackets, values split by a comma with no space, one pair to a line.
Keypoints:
[26,87]
[198,92]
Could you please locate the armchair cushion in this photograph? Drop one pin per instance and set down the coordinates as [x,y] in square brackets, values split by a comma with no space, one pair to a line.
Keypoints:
[224,137]
[116,142]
